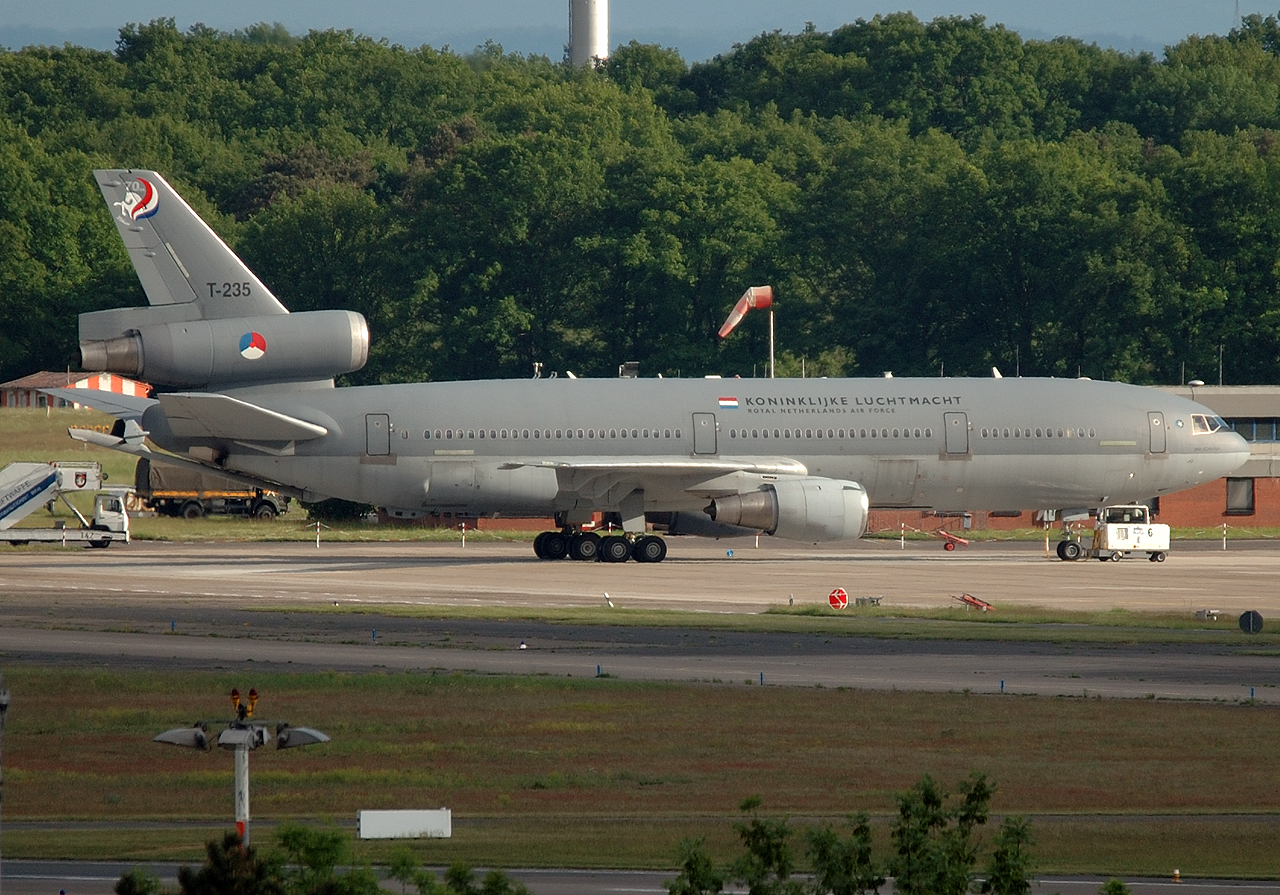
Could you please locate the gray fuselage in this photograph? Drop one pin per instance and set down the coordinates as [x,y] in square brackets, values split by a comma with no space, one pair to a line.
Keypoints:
[534,447]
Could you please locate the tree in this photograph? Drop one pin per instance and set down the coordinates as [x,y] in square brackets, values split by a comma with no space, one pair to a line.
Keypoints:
[460,879]
[1113,887]
[314,857]
[698,875]
[138,882]
[232,868]
[844,866]
[1009,870]
[934,847]
[765,868]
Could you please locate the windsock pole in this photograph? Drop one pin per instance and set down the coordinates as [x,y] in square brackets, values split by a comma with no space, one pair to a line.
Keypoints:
[771,340]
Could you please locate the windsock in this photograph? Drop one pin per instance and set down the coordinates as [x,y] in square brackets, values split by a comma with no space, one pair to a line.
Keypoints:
[754,297]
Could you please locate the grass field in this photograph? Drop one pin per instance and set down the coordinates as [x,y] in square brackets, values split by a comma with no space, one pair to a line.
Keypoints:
[600,772]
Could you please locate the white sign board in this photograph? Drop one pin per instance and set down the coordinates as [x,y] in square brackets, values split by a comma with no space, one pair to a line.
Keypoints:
[426,824]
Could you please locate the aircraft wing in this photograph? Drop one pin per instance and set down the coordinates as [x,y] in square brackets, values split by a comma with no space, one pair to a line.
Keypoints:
[672,466]
[125,407]
[611,478]
[206,415]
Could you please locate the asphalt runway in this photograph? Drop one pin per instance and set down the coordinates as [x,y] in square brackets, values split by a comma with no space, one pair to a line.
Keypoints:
[159,606]
[97,878]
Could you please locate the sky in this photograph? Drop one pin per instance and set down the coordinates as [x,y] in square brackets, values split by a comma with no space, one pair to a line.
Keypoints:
[698,29]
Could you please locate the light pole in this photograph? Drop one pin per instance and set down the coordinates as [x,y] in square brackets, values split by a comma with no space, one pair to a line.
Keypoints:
[242,736]
[4,710]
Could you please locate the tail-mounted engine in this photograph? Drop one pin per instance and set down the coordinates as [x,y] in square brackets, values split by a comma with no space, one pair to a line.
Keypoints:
[805,509]
[225,352]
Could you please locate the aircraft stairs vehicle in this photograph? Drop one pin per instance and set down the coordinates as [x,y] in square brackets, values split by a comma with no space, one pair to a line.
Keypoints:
[27,486]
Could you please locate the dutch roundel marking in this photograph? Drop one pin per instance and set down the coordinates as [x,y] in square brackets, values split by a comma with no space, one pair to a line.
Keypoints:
[140,201]
[729,403]
[252,345]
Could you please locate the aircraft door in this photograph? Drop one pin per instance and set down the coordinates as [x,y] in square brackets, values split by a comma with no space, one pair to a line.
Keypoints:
[1157,432]
[956,425]
[704,433]
[377,434]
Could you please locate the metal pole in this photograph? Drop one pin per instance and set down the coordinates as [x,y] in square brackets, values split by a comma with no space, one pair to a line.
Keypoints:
[242,792]
[4,710]
[770,341]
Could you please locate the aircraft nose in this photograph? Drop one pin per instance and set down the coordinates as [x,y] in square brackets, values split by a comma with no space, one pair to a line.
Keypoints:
[1235,451]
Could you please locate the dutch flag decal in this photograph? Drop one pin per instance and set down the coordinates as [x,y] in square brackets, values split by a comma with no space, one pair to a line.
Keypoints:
[731,403]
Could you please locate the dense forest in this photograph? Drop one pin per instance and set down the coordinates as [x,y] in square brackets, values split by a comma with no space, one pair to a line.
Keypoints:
[927,198]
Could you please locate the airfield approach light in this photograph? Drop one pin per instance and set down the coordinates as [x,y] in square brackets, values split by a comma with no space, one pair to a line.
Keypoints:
[241,737]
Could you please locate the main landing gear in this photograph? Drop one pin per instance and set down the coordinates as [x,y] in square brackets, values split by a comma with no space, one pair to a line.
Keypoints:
[589,546]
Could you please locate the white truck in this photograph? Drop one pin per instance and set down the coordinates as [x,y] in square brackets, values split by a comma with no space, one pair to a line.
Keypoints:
[25,487]
[1120,530]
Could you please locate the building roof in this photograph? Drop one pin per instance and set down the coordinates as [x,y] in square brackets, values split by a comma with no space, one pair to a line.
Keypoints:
[1233,400]
[44,379]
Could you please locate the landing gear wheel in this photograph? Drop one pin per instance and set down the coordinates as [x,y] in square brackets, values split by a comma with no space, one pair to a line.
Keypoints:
[1061,544]
[585,547]
[554,545]
[537,544]
[1069,551]
[649,549]
[615,549]
[192,510]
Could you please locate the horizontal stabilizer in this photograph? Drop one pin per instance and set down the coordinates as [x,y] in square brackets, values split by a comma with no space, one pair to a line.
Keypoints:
[673,466]
[125,407]
[128,445]
[201,415]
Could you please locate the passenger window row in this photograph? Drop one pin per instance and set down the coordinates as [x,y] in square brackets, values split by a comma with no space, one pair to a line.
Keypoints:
[831,433]
[527,434]
[1038,433]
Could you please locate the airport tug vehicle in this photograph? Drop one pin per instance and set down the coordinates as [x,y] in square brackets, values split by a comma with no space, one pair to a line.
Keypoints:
[1117,532]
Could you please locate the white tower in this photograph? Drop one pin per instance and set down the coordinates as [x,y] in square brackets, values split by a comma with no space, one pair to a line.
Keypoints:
[588,30]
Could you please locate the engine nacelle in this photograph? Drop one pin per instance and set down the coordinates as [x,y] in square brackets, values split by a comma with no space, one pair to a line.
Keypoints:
[806,509]
[237,350]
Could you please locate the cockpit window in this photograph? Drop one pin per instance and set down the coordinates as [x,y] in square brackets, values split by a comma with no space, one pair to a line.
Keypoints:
[1204,424]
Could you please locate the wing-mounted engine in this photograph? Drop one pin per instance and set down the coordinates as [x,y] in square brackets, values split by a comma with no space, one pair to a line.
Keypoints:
[225,352]
[801,509]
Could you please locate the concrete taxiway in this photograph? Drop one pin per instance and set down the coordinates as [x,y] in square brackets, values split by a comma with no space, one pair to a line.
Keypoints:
[155,605]
[699,575]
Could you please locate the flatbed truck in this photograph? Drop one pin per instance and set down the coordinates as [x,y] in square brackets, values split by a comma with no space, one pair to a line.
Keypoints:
[179,491]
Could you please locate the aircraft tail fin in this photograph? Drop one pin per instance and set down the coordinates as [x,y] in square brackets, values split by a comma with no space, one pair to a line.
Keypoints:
[211,322]
[179,259]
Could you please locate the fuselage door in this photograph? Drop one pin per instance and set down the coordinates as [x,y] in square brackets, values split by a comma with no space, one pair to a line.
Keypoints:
[704,433]
[377,434]
[1157,432]
[956,425]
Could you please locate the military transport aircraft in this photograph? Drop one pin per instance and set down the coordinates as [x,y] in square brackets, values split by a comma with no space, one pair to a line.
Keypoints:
[247,388]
